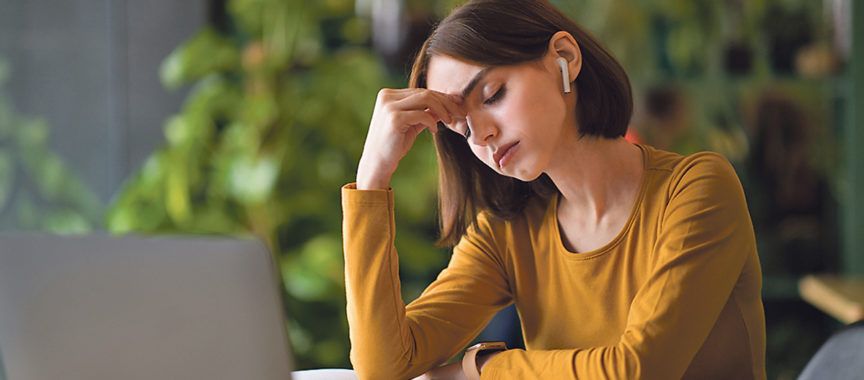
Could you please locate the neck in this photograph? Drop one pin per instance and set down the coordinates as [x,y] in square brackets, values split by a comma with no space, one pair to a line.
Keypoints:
[594,175]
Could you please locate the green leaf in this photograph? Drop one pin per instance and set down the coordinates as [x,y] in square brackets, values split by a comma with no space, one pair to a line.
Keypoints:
[50,175]
[178,132]
[213,96]
[152,174]
[66,222]
[252,178]
[135,209]
[207,52]
[260,111]
[239,137]
[316,270]
[248,14]
[177,192]
[32,133]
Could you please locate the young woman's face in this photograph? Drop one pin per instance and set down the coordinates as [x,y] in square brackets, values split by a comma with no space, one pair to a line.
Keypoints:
[517,115]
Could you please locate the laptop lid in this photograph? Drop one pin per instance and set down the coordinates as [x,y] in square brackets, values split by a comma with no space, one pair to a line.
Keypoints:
[100,307]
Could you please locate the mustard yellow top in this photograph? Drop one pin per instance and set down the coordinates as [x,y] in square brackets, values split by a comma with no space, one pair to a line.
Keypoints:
[675,295]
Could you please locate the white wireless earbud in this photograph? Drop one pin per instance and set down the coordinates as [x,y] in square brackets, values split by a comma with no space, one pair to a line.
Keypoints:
[565,74]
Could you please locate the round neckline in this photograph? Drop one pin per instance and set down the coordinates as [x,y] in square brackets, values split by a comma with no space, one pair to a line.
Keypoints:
[553,213]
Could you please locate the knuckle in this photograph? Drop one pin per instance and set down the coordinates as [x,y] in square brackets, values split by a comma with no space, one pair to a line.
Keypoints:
[428,95]
[385,94]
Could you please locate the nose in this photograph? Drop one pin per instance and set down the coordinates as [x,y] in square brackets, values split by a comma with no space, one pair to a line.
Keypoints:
[482,129]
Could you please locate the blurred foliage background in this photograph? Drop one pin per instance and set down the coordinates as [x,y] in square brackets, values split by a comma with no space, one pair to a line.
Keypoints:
[273,127]
[281,92]
[38,191]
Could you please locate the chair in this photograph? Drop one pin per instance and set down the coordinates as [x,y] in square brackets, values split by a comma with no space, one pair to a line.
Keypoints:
[841,357]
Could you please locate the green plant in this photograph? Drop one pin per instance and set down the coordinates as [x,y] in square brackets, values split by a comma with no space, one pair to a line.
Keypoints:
[272,128]
[38,191]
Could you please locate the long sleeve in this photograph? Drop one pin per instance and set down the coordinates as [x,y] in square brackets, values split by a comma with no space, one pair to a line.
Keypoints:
[705,238]
[388,339]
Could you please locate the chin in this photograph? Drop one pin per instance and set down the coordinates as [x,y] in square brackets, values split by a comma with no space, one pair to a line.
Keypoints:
[525,176]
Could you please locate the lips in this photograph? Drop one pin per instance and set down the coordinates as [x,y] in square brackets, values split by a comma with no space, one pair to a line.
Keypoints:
[502,154]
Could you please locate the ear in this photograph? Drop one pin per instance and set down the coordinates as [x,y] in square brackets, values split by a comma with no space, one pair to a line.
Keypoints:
[562,44]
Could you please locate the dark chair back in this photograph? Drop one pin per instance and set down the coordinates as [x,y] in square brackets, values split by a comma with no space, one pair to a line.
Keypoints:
[841,357]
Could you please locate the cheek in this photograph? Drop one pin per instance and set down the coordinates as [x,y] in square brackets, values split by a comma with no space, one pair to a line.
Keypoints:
[531,108]
[481,153]
[547,106]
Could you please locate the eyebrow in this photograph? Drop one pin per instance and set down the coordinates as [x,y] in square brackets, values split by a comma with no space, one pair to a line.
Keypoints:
[474,81]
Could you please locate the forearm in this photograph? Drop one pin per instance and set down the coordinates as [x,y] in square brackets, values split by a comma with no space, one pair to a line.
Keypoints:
[383,342]
[614,362]
[376,314]
[388,339]
[373,175]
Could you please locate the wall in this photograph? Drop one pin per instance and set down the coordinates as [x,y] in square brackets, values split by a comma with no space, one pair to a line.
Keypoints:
[90,68]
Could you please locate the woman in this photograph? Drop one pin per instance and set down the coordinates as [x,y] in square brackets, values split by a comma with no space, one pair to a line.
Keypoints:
[624,261]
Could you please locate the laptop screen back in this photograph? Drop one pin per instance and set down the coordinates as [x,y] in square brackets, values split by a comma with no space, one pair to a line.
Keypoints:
[101,307]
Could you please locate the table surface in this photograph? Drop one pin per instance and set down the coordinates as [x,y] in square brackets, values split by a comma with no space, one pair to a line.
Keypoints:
[840,296]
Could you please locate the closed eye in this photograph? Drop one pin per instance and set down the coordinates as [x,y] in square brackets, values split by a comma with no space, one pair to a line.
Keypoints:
[496,97]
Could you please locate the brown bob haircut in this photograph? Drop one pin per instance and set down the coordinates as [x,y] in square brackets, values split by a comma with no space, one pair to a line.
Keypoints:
[503,33]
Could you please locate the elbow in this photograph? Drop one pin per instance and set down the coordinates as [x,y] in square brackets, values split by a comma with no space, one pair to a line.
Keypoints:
[380,365]
[370,366]
[384,356]
[377,373]
[374,373]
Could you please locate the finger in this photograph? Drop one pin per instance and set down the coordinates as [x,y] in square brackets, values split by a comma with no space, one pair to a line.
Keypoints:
[396,94]
[452,103]
[416,130]
[433,114]
[406,119]
[426,100]
[434,129]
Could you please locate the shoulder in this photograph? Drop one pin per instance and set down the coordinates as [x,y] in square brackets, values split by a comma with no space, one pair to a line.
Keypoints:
[709,171]
[704,186]
[677,164]
[706,170]
[704,207]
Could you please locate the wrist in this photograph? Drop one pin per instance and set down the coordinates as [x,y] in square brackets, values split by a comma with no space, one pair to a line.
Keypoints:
[484,358]
[372,184]
[372,178]
[477,355]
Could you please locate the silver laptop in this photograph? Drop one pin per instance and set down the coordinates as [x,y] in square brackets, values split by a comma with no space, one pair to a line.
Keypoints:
[100,307]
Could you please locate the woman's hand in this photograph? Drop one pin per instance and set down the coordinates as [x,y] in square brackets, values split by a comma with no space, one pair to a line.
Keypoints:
[453,371]
[399,117]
